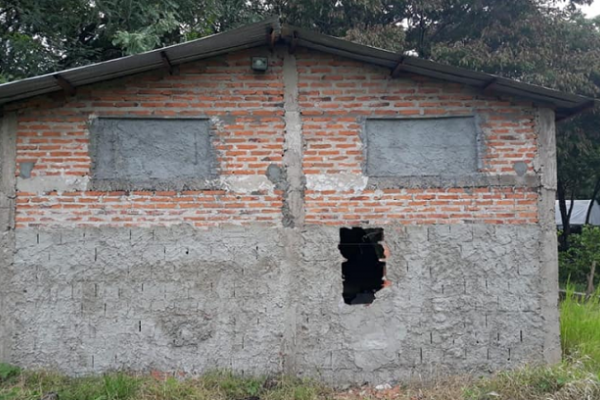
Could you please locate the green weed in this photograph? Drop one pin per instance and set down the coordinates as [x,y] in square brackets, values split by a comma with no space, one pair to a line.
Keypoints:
[580,329]
[8,371]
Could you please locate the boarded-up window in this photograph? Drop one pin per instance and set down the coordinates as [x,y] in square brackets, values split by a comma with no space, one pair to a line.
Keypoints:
[132,153]
[421,147]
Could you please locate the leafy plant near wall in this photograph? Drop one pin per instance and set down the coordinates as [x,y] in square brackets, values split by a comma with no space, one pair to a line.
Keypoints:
[576,262]
[8,371]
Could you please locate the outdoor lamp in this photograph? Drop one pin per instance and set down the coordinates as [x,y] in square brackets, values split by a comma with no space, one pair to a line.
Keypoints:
[259,64]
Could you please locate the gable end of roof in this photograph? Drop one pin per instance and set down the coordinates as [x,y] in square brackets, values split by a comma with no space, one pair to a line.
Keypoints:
[269,32]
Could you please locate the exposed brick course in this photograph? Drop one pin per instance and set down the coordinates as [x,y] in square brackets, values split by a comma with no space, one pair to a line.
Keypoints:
[246,110]
[423,206]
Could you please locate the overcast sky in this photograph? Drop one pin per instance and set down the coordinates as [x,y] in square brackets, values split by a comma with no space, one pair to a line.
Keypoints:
[593,10]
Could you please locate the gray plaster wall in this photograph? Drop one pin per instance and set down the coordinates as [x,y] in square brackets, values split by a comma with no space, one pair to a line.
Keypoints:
[149,153]
[8,152]
[465,298]
[421,147]
[546,168]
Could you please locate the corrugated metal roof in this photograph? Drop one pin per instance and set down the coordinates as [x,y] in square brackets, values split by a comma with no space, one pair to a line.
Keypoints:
[246,37]
[263,33]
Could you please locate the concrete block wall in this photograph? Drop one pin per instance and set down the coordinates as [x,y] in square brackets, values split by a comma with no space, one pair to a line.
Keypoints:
[243,271]
[464,298]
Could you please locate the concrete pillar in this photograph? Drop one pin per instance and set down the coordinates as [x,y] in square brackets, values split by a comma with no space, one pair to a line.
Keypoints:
[293,212]
[8,153]
[293,203]
[546,138]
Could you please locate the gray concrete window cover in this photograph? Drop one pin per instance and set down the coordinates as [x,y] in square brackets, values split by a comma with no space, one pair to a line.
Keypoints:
[421,147]
[136,153]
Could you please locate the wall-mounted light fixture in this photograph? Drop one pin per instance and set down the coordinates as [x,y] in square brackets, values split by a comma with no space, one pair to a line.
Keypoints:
[260,64]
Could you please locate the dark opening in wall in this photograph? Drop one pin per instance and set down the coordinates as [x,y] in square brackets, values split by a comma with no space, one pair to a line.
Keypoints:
[364,270]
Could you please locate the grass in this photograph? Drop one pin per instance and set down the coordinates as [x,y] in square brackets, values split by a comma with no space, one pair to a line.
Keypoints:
[580,329]
[121,386]
[576,378]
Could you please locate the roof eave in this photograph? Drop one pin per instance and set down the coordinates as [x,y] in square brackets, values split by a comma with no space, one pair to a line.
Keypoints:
[270,31]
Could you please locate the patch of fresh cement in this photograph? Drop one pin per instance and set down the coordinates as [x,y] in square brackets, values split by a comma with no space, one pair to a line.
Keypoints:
[45,184]
[520,168]
[246,183]
[341,181]
[421,147]
[234,183]
[139,151]
[25,169]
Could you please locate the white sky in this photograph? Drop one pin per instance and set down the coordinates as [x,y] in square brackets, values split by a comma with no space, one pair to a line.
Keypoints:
[593,10]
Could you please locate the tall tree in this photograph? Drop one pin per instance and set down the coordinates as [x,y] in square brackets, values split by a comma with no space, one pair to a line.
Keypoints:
[43,36]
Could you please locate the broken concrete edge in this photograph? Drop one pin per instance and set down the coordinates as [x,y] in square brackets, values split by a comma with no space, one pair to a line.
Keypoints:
[340,182]
[47,184]
[546,136]
[364,268]
[8,154]
[234,183]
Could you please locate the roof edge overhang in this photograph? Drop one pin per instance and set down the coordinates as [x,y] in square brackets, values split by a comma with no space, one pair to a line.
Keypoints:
[272,31]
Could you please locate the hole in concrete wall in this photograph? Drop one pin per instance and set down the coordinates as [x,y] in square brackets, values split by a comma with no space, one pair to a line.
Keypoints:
[364,270]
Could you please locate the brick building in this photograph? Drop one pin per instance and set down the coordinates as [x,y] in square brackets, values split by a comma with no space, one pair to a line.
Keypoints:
[189,209]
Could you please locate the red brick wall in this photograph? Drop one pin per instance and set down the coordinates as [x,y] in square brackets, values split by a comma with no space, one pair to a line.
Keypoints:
[335,95]
[422,206]
[248,128]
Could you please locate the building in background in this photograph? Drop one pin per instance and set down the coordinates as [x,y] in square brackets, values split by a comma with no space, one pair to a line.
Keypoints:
[579,215]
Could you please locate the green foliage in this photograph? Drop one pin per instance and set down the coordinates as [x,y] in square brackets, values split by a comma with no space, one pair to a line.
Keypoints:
[149,37]
[575,263]
[44,36]
[534,40]
[234,386]
[580,328]
[117,386]
[173,389]
[568,381]
[388,37]
[8,371]
[120,386]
